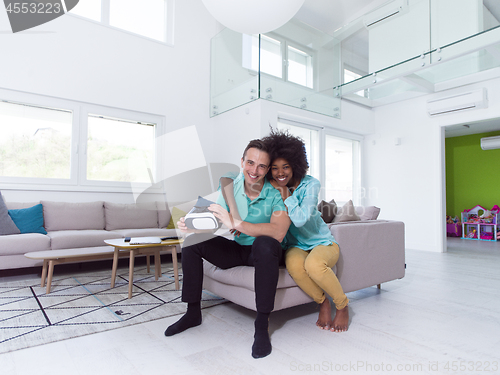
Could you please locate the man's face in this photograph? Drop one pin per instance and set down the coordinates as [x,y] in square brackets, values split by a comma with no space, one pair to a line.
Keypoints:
[255,165]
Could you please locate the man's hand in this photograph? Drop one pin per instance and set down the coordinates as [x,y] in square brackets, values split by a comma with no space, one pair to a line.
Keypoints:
[181,225]
[224,216]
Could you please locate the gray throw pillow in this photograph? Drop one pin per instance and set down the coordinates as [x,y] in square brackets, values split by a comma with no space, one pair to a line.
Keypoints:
[7,225]
[346,213]
[327,210]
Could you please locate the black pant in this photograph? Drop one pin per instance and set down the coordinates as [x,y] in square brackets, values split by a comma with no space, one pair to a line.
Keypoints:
[265,254]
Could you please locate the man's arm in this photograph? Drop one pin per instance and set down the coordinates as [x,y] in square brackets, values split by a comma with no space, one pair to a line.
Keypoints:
[276,228]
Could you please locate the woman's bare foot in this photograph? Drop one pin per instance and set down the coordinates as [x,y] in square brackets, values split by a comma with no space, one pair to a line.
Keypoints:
[341,321]
[325,315]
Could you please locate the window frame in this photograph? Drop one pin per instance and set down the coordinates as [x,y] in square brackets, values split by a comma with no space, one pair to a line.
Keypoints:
[168,32]
[78,162]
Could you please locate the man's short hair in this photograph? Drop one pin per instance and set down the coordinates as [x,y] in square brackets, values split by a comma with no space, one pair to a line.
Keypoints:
[258,144]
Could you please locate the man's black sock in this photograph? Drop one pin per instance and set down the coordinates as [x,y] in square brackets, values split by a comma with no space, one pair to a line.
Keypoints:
[191,318]
[262,344]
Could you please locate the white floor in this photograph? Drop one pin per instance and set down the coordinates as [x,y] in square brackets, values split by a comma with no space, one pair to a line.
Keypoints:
[443,317]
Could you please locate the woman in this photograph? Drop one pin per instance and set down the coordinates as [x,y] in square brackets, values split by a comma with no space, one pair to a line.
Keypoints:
[311,248]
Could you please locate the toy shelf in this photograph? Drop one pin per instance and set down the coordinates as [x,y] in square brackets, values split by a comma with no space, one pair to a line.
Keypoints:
[475,227]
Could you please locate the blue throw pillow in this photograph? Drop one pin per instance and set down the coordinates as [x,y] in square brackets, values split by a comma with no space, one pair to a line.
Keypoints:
[29,220]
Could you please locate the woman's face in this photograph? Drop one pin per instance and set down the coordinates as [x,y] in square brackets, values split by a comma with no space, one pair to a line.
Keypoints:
[282,171]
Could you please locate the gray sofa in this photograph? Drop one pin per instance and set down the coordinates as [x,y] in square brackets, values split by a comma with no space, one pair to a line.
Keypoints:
[372,252]
[82,225]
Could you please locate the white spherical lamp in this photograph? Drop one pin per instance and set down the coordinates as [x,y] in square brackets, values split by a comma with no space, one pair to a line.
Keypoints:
[253,16]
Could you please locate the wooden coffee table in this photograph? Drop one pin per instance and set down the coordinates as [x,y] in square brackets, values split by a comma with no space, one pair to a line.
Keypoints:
[142,249]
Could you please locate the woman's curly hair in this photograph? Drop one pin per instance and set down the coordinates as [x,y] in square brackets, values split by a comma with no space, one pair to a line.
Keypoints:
[282,144]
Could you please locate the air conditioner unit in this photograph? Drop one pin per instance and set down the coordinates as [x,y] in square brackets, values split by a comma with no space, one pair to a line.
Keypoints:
[490,143]
[384,13]
[456,103]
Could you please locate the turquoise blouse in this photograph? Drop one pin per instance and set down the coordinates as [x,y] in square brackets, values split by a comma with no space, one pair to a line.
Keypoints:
[308,229]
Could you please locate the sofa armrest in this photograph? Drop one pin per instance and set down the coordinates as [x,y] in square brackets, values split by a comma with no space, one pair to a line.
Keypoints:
[371,252]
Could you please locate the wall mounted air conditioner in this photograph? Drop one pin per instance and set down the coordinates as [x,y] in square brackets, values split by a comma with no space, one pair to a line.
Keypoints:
[490,143]
[385,13]
[457,103]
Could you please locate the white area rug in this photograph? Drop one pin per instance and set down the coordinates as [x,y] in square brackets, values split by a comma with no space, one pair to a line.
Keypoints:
[85,303]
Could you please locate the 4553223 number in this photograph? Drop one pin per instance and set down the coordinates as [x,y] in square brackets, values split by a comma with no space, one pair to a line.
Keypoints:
[34,7]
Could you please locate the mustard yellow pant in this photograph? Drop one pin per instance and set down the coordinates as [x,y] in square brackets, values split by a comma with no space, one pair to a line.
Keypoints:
[312,271]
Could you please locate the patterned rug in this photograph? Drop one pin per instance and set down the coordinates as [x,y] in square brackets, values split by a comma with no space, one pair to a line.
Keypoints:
[84,303]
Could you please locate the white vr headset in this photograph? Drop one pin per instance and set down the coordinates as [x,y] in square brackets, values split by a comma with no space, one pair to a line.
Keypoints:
[200,217]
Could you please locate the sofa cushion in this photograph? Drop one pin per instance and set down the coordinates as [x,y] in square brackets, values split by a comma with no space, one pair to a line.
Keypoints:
[367,213]
[243,276]
[327,210]
[7,226]
[73,216]
[163,214]
[69,239]
[346,213]
[29,220]
[24,243]
[130,216]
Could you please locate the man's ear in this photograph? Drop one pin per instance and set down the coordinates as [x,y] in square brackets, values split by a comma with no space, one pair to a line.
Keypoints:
[242,161]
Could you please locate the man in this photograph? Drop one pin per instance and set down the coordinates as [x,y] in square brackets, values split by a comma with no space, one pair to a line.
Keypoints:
[256,214]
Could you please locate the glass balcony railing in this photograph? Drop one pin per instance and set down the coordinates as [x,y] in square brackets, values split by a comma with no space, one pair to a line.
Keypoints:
[295,65]
[400,50]
[408,48]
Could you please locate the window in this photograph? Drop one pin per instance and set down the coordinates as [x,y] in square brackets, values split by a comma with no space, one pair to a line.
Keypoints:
[145,17]
[279,59]
[300,68]
[119,150]
[270,57]
[333,160]
[342,168]
[35,141]
[78,145]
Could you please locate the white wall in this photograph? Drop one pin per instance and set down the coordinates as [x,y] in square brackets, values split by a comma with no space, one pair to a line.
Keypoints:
[407,181]
[80,60]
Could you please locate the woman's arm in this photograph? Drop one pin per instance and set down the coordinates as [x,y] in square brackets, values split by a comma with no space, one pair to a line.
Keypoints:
[300,208]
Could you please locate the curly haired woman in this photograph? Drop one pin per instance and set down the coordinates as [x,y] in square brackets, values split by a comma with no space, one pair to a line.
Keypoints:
[311,248]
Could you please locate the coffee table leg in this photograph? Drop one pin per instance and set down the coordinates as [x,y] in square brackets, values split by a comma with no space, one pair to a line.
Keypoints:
[176,269]
[115,267]
[44,272]
[148,263]
[157,264]
[49,278]
[131,273]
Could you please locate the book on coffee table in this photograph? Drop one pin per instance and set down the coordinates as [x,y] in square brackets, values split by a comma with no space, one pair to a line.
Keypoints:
[144,240]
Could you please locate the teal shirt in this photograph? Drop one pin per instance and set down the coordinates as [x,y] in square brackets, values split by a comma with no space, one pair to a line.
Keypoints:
[307,229]
[257,211]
